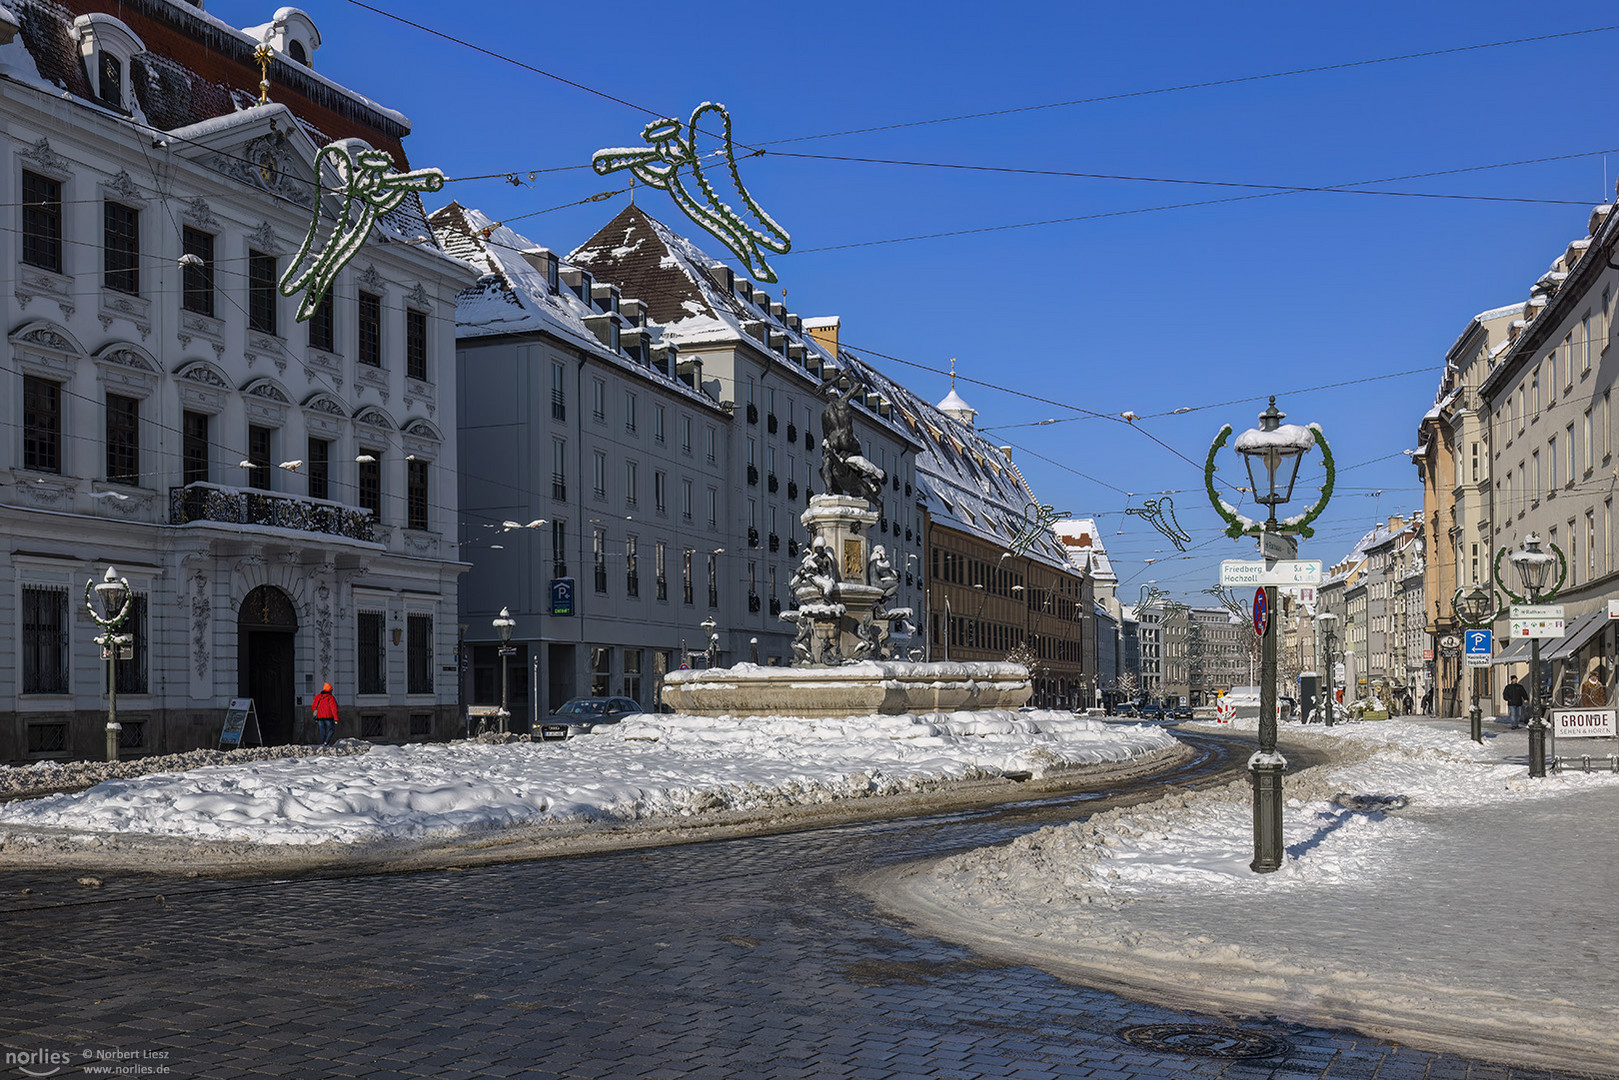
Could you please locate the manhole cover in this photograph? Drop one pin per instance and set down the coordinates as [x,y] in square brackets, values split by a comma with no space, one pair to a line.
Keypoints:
[1205,1040]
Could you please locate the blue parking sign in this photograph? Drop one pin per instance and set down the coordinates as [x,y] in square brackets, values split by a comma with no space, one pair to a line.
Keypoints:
[1478,643]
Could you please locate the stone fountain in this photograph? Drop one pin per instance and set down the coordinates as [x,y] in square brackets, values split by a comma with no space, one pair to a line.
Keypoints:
[843,652]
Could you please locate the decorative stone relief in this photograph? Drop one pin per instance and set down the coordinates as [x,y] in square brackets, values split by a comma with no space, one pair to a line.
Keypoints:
[123,185]
[264,238]
[43,491]
[201,621]
[418,296]
[371,279]
[42,153]
[204,374]
[198,212]
[323,621]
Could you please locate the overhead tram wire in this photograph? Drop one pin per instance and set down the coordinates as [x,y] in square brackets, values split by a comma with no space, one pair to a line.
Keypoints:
[1282,189]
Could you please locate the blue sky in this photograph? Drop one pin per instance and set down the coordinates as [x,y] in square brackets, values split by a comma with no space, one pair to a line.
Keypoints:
[1207,308]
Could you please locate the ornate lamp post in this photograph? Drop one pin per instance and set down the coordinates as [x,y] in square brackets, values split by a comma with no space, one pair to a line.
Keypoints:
[1272,453]
[1534,568]
[505,624]
[113,598]
[712,652]
[1475,609]
[1328,622]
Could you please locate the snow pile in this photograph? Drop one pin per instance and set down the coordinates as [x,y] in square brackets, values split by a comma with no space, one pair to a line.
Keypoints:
[646,766]
[1429,888]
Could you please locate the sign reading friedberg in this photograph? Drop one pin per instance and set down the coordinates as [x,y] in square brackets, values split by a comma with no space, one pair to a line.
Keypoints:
[1237,573]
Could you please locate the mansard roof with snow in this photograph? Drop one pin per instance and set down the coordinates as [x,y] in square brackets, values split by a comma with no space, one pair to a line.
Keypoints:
[699,302]
[966,482]
[526,289]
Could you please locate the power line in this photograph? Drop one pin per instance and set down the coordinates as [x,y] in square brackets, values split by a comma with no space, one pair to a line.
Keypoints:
[1207,84]
[1278,188]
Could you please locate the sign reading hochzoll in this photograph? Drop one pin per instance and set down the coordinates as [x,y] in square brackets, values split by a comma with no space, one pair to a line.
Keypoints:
[1236,573]
[1584,723]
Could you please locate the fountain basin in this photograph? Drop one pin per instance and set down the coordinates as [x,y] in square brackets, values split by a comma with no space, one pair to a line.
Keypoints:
[887,687]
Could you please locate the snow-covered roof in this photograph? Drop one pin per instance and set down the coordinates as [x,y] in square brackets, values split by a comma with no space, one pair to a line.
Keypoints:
[1083,541]
[967,482]
[514,296]
[214,74]
[699,301]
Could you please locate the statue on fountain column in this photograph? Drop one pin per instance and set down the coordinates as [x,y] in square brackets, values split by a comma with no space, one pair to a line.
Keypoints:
[844,469]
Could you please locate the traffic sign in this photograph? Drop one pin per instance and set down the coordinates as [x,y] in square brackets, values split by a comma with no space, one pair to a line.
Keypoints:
[1478,647]
[1261,612]
[1236,573]
[1537,620]
[562,596]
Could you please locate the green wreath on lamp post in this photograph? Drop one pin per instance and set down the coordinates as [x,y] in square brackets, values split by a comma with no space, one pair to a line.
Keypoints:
[1236,524]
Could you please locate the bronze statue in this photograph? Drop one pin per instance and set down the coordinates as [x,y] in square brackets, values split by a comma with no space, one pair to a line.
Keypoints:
[844,469]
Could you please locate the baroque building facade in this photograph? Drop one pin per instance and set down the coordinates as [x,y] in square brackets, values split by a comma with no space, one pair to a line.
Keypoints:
[279,494]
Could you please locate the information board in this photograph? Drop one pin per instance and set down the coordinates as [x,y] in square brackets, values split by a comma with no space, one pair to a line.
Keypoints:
[239,717]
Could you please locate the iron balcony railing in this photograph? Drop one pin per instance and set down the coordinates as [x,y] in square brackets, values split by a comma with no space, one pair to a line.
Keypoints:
[238,506]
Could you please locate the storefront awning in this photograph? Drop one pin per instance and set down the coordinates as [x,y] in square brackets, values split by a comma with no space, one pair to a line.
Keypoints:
[1576,634]
[1515,653]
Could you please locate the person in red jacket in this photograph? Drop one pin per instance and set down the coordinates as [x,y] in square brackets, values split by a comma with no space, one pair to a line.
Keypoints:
[325,706]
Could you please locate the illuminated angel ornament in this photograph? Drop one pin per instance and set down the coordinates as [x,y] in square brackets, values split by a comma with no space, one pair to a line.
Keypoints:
[1160,514]
[368,188]
[1037,522]
[672,161]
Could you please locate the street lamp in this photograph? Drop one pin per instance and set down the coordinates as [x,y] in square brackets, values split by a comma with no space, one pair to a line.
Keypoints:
[1474,608]
[114,597]
[1534,568]
[1329,623]
[713,650]
[505,624]
[1272,453]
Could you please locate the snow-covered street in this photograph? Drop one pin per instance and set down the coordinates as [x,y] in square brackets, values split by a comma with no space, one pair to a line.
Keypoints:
[1432,892]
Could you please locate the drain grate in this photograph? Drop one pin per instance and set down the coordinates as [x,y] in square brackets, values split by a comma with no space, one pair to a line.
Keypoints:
[1205,1040]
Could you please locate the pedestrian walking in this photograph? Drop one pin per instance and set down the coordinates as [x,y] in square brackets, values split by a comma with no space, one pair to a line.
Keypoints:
[1408,703]
[325,707]
[1427,702]
[1594,690]
[1516,698]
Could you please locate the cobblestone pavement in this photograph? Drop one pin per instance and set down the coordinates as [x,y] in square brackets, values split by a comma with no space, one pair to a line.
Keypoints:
[743,959]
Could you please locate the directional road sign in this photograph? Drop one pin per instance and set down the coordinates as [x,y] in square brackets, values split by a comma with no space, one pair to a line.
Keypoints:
[1236,573]
[1537,620]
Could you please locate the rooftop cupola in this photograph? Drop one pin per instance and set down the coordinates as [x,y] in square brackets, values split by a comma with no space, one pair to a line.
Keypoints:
[953,406]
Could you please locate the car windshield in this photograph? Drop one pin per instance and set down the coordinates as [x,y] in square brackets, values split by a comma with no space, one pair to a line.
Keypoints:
[583,707]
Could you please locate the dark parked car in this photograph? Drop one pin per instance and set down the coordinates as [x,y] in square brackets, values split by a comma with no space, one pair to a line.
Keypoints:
[581,716]
[1180,712]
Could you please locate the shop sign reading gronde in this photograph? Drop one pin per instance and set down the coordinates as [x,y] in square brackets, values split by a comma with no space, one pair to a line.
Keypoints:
[1584,723]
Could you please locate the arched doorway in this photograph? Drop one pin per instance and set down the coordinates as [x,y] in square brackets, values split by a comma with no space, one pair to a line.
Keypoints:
[266,631]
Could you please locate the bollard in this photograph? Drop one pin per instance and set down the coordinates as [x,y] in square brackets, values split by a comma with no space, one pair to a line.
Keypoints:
[1585,760]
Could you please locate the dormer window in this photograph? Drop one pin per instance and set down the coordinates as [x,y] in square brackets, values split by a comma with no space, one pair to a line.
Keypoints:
[108,47]
[292,34]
